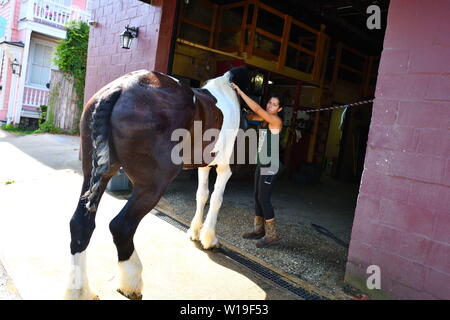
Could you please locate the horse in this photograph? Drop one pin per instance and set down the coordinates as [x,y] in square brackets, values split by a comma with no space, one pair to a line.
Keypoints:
[129,123]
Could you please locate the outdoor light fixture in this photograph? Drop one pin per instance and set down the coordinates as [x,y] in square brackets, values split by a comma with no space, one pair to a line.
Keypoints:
[127,36]
[15,67]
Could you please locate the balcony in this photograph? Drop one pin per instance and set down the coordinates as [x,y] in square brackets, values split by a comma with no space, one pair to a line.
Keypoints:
[33,98]
[50,13]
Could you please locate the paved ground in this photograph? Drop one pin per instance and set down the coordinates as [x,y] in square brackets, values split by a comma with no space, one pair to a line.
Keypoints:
[39,186]
[7,289]
[303,252]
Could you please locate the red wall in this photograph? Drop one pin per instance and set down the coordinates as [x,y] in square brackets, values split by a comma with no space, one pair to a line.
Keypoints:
[402,220]
[107,60]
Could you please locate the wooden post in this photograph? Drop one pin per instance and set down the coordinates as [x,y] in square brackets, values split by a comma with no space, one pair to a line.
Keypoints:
[243,29]
[251,42]
[212,33]
[290,143]
[284,41]
[320,54]
[337,63]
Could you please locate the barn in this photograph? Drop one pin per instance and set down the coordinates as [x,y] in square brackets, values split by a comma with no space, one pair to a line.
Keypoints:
[387,158]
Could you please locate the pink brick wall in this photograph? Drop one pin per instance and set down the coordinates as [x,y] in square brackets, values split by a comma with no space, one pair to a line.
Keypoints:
[107,60]
[79,4]
[402,219]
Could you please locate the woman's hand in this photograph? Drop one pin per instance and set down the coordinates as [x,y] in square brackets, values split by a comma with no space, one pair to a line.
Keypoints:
[235,87]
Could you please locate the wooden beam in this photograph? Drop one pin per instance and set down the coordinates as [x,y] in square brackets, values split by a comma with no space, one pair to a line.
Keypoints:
[243,29]
[212,32]
[313,137]
[196,24]
[319,54]
[300,48]
[199,46]
[304,26]
[269,35]
[251,41]
[284,41]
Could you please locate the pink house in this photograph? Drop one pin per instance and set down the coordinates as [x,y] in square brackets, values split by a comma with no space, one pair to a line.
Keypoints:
[29,32]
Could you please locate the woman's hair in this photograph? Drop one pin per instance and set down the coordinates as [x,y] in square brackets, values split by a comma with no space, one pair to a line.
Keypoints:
[280,99]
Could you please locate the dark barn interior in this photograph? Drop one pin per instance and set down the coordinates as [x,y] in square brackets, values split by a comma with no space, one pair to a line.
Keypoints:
[314,54]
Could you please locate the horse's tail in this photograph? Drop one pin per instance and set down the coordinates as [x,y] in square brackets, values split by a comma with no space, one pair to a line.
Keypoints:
[101,128]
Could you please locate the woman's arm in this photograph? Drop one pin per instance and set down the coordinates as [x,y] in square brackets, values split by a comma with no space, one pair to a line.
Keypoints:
[271,119]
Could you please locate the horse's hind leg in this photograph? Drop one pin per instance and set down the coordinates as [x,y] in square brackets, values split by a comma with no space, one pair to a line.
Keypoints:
[201,197]
[208,233]
[82,226]
[146,194]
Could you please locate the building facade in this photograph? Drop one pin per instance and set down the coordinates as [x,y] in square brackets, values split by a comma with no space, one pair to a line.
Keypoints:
[29,32]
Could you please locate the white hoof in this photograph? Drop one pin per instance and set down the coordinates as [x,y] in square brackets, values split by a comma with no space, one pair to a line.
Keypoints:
[194,232]
[208,239]
[80,294]
[130,279]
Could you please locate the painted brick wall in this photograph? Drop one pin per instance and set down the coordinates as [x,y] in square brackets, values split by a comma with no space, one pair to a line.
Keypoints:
[402,220]
[107,60]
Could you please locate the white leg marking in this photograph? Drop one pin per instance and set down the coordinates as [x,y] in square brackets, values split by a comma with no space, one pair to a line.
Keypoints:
[130,279]
[78,288]
[208,233]
[201,197]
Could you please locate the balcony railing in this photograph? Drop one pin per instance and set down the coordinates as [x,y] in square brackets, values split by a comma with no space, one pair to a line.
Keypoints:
[35,97]
[51,13]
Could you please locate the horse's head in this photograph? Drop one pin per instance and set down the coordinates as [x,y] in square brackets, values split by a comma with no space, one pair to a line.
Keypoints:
[241,77]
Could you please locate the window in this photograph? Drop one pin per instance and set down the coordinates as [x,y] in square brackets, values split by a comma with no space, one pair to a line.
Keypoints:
[40,64]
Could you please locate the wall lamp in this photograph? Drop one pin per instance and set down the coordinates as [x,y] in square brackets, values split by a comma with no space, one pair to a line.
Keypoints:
[16,67]
[127,36]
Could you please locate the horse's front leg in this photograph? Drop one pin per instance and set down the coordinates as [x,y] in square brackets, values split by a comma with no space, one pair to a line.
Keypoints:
[208,233]
[82,226]
[201,197]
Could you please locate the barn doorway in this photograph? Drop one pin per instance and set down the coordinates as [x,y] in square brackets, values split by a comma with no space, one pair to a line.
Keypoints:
[315,54]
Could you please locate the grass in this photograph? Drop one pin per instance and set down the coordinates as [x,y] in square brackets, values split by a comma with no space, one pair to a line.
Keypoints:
[19,131]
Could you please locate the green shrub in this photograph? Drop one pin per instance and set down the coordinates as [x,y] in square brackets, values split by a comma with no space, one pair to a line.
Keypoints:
[47,127]
[71,55]
[43,115]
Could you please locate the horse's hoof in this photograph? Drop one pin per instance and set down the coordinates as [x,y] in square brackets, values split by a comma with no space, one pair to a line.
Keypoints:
[131,296]
[80,294]
[193,235]
[209,240]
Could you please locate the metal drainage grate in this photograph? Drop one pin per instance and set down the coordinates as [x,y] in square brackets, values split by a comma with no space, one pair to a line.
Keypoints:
[254,266]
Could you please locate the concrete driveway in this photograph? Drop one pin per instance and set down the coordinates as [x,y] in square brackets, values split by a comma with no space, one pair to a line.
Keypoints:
[39,184]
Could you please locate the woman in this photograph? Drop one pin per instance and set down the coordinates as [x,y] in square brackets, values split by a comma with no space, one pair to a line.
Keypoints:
[265,176]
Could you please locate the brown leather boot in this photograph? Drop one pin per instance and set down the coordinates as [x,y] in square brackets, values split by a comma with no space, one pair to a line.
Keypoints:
[271,236]
[258,229]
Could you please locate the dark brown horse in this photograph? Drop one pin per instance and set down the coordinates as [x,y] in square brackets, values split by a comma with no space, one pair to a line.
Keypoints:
[130,123]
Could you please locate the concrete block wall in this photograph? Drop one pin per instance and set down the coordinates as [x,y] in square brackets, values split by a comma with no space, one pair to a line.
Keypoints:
[107,60]
[402,218]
